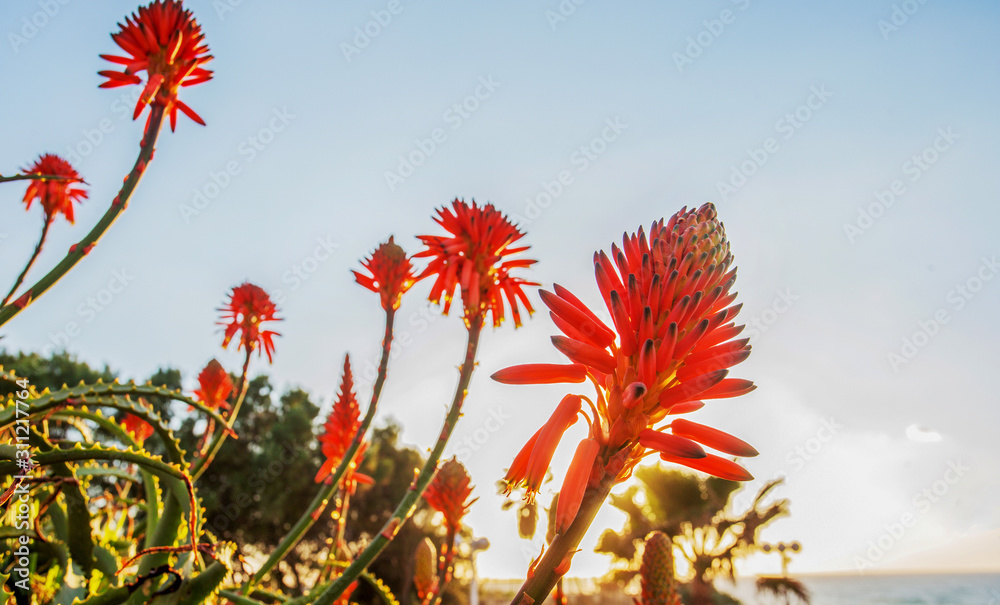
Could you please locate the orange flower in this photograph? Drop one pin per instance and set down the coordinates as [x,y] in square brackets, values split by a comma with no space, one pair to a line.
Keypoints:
[166,42]
[55,195]
[214,385]
[339,430]
[528,468]
[248,307]
[391,274]
[448,493]
[670,300]
[138,428]
[475,258]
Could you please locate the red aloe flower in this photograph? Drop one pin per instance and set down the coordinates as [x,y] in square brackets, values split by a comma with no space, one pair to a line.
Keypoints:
[165,41]
[391,274]
[339,430]
[248,307]
[448,493]
[214,386]
[138,428]
[475,259]
[670,347]
[56,196]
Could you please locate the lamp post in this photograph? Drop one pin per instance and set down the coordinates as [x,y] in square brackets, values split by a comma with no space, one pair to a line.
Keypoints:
[784,550]
[474,547]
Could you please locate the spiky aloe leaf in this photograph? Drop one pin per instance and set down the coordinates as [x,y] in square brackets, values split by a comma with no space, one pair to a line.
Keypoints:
[5,595]
[174,478]
[78,537]
[173,447]
[83,394]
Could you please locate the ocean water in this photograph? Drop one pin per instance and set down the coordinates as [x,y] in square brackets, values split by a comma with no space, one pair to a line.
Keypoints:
[950,589]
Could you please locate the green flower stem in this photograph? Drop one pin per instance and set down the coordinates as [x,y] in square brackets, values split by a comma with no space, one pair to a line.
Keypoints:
[31,261]
[408,504]
[315,508]
[540,584]
[38,177]
[77,253]
[237,598]
[227,426]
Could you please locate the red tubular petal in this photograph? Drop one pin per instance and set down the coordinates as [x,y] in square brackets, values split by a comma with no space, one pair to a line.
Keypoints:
[713,465]
[713,438]
[625,332]
[722,350]
[720,335]
[595,331]
[581,352]
[646,327]
[647,363]
[363,479]
[575,483]
[635,302]
[691,371]
[685,408]
[189,112]
[519,467]
[541,373]
[672,445]
[669,289]
[688,390]
[730,387]
[607,279]
[567,328]
[568,296]
[691,339]
[676,312]
[665,354]
[551,433]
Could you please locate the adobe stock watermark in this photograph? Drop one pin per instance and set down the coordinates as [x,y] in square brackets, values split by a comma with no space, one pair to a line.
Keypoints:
[915,167]
[371,29]
[898,17]
[88,310]
[418,322]
[920,503]
[712,31]
[20,508]
[579,161]
[563,11]
[808,449]
[247,150]
[93,137]
[224,7]
[454,117]
[299,273]
[32,24]
[473,441]
[786,128]
[783,300]
[956,299]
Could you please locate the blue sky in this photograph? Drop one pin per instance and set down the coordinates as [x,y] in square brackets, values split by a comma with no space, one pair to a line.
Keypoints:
[871,311]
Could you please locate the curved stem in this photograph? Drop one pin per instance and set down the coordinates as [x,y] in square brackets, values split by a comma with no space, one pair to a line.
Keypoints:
[31,261]
[545,576]
[408,504]
[78,251]
[227,428]
[322,498]
[38,177]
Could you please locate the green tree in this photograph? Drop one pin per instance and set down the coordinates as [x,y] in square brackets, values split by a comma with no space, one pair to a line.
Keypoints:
[696,513]
[257,484]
